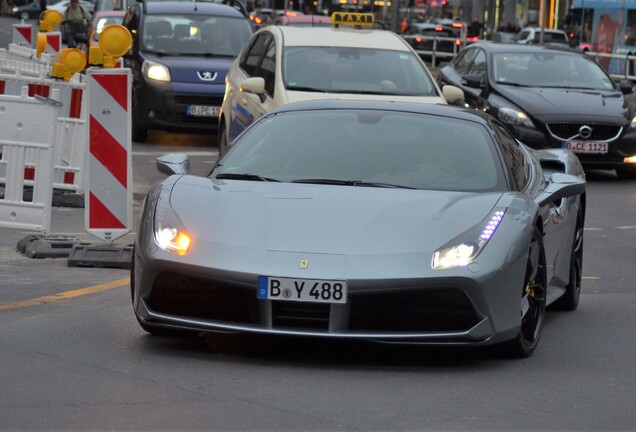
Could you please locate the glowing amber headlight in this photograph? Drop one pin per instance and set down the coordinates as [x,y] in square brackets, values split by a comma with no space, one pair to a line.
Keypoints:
[170,234]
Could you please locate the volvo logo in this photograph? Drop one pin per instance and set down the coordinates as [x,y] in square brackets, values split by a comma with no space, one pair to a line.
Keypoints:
[585,131]
[207,75]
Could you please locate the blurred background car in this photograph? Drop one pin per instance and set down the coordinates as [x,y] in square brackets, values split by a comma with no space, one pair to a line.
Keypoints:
[438,42]
[532,35]
[31,10]
[551,96]
[180,56]
[100,20]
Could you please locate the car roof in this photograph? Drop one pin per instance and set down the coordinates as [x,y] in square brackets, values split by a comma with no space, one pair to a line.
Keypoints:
[339,37]
[498,47]
[414,107]
[200,8]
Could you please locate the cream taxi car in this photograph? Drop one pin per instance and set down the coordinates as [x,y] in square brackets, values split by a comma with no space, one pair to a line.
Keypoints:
[284,64]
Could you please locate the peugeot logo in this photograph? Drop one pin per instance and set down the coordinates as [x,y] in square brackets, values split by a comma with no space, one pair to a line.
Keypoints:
[585,131]
[207,75]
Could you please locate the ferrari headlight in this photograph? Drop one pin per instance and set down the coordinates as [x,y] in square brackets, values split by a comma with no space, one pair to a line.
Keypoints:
[170,234]
[515,118]
[464,250]
[155,71]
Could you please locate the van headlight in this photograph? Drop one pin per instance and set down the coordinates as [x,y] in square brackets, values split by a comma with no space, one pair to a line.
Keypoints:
[155,71]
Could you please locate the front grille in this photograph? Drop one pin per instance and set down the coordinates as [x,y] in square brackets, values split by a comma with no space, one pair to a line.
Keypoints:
[193,99]
[565,131]
[443,310]
[300,315]
[189,296]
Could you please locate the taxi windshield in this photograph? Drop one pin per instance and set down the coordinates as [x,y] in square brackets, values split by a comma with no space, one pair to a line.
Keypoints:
[365,148]
[565,71]
[356,70]
[195,35]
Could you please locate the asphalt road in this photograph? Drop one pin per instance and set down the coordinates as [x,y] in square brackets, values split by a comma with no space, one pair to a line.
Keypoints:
[73,357]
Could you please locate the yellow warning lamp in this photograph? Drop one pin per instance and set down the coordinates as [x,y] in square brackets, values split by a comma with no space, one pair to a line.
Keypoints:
[49,19]
[71,61]
[114,41]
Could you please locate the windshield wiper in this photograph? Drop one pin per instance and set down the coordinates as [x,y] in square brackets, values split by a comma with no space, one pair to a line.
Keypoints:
[307,89]
[244,176]
[350,183]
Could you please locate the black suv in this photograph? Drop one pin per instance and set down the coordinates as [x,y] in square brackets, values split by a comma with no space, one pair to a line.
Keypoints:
[180,55]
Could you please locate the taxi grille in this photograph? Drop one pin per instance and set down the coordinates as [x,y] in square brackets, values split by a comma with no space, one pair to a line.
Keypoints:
[565,131]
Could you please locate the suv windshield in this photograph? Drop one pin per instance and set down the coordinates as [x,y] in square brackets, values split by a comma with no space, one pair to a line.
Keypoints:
[195,34]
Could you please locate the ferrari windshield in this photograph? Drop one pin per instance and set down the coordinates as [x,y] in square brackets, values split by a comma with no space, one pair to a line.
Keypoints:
[562,70]
[195,35]
[356,70]
[366,148]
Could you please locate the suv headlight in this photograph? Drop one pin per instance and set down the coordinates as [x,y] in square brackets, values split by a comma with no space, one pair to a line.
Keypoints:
[464,249]
[155,71]
[515,118]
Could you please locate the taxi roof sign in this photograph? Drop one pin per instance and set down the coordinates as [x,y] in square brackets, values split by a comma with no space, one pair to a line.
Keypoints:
[352,18]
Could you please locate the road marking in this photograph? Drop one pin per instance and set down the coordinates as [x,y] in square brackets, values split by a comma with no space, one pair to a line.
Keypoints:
[592,277]
[67,294]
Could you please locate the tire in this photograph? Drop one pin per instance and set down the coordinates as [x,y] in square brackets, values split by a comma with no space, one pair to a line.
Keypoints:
[626,172]
[533,299]
[570,300]
[138,133]
[222,138]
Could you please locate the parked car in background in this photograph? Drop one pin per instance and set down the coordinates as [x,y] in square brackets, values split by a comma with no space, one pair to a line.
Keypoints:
[61,6]
[180,56]
[551,96]
[532,35]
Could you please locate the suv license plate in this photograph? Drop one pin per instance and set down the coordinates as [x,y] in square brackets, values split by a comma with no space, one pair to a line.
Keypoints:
[302,290]
[203,111]
[590,147]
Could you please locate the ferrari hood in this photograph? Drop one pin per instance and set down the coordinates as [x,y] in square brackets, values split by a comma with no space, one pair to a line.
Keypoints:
[341,220]
[554,104]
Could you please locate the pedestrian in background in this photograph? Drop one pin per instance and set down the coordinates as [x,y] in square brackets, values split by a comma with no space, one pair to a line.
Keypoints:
[75,19]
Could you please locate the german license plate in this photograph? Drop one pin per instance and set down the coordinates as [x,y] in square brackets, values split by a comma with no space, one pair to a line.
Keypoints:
[590,147]
[302,290]
[203,110]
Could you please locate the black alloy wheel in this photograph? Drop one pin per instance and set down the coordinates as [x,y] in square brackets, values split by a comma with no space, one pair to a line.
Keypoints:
[570,300]
[533,300]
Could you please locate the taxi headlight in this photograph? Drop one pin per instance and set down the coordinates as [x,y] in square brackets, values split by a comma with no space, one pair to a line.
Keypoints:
[464,249]
[170,234]
[514,117]
[633,124]
[155,71]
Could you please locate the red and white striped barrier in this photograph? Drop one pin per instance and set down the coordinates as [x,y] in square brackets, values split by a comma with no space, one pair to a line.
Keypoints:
[108,198]
[23,35]
[72,131]
[23,134]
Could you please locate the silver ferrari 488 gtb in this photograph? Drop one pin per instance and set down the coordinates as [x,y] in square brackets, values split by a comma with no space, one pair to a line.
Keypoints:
[388,222]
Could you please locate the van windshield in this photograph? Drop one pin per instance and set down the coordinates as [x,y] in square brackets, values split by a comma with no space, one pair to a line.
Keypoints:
[195,34]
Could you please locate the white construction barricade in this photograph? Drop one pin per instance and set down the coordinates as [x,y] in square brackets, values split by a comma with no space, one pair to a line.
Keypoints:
[28,126]
[72,131]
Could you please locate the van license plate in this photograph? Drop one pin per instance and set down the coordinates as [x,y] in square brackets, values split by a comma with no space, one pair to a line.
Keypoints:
[203,111]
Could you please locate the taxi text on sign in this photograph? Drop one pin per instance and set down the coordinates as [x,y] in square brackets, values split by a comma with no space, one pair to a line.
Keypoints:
[108,200]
